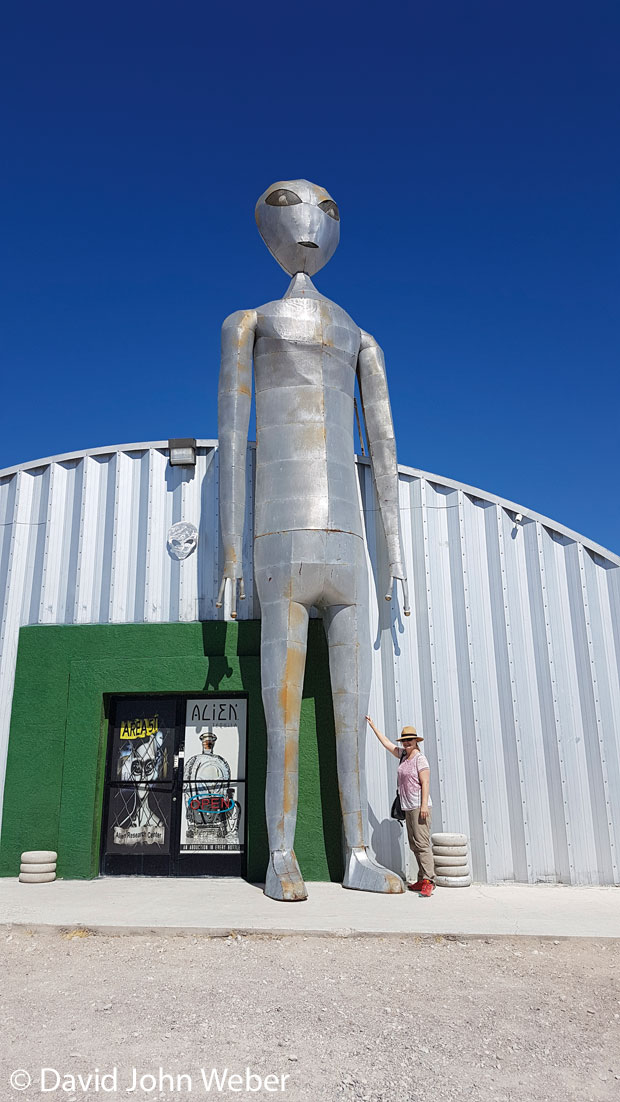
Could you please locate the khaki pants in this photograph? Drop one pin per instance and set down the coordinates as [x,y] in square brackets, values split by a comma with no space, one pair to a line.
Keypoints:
[419,835]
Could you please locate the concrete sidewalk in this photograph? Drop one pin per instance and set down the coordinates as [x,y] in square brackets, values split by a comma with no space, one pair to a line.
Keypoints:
[119,905]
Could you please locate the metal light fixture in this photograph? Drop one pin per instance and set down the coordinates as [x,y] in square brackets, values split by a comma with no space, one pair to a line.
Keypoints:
[182,452]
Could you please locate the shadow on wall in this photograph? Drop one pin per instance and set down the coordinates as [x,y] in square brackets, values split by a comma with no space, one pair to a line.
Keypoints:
[385,841]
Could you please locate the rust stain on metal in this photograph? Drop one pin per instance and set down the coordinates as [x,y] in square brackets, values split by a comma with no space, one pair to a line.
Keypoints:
[290,773]
[290,693]
[297,614]
[394,883]
[291,887]
[325,322]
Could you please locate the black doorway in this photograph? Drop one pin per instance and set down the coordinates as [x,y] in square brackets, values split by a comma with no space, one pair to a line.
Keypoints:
[175,786]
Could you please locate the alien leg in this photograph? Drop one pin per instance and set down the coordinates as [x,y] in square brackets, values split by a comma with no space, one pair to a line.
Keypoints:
[284,631]
[349,667]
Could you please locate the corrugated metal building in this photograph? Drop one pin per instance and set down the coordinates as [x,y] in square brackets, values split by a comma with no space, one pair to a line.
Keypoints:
[509,664]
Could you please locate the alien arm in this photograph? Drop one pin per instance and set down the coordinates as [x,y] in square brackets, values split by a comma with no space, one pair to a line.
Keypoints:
[382,445]
[234,401]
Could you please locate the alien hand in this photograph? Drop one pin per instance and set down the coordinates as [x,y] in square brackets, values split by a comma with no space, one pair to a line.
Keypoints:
[232,571]
[397,573]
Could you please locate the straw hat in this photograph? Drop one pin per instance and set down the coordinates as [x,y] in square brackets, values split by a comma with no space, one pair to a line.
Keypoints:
[410,732]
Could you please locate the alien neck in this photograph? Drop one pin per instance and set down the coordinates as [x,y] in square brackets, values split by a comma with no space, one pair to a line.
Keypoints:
[302,286]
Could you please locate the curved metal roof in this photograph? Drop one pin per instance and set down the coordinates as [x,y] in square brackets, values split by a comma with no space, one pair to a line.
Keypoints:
[473,491]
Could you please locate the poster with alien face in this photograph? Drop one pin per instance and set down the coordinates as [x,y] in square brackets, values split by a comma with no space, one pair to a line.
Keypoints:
[141,777]
[214,776]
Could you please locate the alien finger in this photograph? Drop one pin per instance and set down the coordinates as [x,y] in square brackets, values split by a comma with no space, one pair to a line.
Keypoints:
[406,608]
[241,589]
[220,596]
[233,600]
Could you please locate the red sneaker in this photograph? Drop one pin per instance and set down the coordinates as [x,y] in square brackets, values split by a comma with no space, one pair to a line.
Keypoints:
[427,888]
[415,887]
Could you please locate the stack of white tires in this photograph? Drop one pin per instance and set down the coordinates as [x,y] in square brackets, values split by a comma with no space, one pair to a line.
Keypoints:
[38,866]
[451,860]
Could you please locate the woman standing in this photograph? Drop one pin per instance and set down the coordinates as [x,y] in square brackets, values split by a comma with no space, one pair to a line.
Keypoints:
[413,788]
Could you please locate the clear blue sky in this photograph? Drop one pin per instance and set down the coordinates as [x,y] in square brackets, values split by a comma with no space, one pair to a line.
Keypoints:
[473,151]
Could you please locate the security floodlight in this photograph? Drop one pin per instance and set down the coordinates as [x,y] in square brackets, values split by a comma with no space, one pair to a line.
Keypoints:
[182,452]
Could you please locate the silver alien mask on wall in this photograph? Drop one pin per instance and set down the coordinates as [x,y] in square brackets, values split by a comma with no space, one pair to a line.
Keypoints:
[308,544]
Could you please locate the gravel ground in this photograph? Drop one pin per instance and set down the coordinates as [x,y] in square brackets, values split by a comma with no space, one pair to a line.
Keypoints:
[373,1019]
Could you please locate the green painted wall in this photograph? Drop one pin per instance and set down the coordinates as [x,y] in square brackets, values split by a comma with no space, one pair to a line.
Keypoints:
[57,748]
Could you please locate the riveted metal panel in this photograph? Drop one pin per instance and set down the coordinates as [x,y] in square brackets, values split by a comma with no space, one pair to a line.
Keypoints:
[122,574]
[185,571]
[454,738]
[485,689]
[157,563]
[598,574]
[509,665]
[524,695]
[564,644]
[88,571]
[470,712]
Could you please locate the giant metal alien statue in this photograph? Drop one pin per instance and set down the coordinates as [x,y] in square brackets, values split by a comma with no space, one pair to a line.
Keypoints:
[308,546]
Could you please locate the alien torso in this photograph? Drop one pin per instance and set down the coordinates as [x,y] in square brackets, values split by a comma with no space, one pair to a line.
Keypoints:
[305,357]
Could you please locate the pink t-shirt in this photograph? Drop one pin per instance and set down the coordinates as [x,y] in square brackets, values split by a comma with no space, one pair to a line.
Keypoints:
[409,787]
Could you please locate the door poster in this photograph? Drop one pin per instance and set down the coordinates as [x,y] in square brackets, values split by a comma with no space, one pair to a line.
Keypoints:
[212,818]
[141,775]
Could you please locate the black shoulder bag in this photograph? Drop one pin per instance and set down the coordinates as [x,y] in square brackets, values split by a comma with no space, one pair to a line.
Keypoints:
[396,811]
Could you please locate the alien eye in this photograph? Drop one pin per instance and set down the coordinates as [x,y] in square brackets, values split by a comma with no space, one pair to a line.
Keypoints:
[282,198]
[330,208]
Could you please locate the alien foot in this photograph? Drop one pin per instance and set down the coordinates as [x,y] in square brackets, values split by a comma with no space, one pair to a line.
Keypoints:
[366,875]
[284,880]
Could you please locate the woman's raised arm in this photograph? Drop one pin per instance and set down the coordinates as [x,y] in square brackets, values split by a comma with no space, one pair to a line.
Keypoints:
[384,741]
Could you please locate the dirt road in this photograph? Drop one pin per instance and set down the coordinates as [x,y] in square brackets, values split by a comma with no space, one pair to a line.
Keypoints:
[372,1019]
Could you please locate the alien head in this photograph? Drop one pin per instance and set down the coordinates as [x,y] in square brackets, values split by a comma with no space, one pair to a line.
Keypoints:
[182,540]
[300,225]
[145,762]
